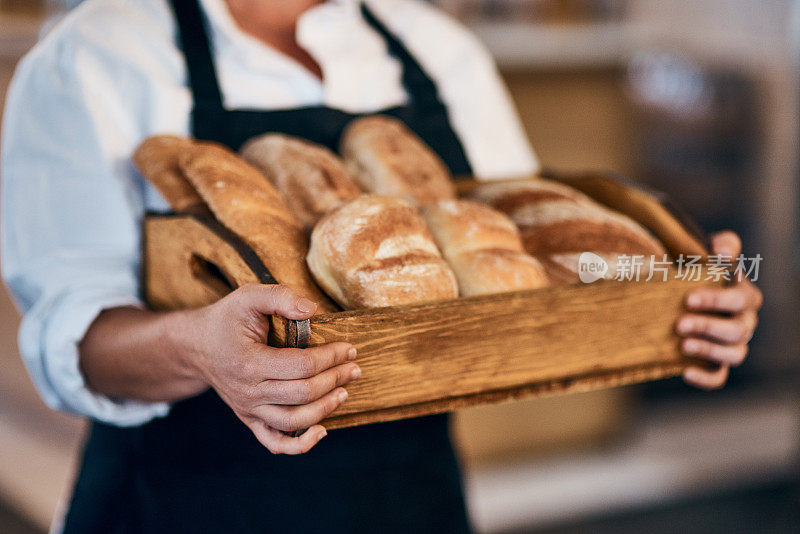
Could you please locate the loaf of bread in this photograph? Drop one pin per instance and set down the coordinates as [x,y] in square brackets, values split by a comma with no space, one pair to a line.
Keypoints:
[387,158]
[559,223]
[245,202]
[377,251]
[483,247]
[311,178]
[156,158]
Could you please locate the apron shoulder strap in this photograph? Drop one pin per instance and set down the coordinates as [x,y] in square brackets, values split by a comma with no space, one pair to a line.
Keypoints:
[203,82]
[419,86]
[193,38]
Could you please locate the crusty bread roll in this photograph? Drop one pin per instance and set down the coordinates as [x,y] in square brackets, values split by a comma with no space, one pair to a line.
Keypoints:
[483,247]
[245,202]
[156,158]
[312,178]
[387,158]
[377,251]
[558,223]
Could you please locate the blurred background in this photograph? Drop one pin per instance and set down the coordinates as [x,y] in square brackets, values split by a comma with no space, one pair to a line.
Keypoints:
[699,99]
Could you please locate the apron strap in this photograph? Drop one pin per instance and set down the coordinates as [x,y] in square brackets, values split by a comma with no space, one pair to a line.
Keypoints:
[203,82]
[419,86]
[193,37]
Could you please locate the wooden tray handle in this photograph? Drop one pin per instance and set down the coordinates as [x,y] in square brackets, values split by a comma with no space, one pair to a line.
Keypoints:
[214,263]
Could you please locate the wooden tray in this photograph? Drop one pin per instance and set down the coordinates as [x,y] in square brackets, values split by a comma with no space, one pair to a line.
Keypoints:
[437,357]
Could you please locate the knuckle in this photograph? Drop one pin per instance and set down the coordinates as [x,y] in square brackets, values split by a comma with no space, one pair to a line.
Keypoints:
[248,395]
[742,332]
[740,356]
[283,293]
[250,369]
[307,364]
[305,391]
[702,324]
[290,421]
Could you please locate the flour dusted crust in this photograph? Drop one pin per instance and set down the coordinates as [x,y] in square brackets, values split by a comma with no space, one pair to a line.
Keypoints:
[387,158]
[245,202]
[483,247]
[312,179]
[377,251]
[156,158]
[558,223]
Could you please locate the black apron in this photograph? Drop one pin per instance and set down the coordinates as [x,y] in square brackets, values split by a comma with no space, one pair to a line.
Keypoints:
[200,469]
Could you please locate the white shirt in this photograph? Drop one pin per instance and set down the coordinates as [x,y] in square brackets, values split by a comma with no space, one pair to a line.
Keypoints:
[110,74]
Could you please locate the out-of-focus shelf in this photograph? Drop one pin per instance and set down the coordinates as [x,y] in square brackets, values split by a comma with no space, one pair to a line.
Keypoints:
[19,34]
[526,45]
[678,450]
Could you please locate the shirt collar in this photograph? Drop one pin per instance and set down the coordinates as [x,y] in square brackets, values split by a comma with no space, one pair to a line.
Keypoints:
[223,24]
[250,49]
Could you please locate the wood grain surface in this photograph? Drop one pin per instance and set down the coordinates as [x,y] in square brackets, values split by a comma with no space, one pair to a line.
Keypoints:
[440,356]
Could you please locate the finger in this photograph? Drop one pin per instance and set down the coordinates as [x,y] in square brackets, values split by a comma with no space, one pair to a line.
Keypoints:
[706,379]
[279,443]
[729,331]
[735,299]
[288,418]
[303,391]
[732,355]
[292,364]
[726,244]
[280,300]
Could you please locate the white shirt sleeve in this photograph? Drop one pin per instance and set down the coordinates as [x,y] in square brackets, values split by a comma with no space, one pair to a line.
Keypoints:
[71,207]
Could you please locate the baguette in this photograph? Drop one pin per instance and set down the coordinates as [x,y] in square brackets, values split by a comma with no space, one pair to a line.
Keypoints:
[156,158]
[377,251]
[245,202]
[311,178]
[386,158]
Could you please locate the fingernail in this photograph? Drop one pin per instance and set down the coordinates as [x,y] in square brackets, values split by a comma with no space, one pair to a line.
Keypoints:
[355,373]
[305,305]
[322,434]
[692,374]
[351,353]
[684,327]
[342,396]
[693,301]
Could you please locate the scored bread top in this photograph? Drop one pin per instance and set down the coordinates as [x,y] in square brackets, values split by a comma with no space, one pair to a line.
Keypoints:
[556,218]
[156,158]
[247,204]
[462,226]
[558,223]
[377,251]
[483,247]
[387,158]
[312,179]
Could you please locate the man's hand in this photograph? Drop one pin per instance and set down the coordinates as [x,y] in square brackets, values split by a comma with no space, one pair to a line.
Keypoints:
[721,321]
[271,390]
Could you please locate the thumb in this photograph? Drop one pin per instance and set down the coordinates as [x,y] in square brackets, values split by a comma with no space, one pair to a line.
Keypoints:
[726,244]
[277,300]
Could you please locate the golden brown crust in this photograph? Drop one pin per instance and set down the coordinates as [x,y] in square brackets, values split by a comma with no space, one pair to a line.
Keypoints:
[483,247]
[387,158]
[311,178]
[377,251]
[557,223]
[249,206]
[156,158]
